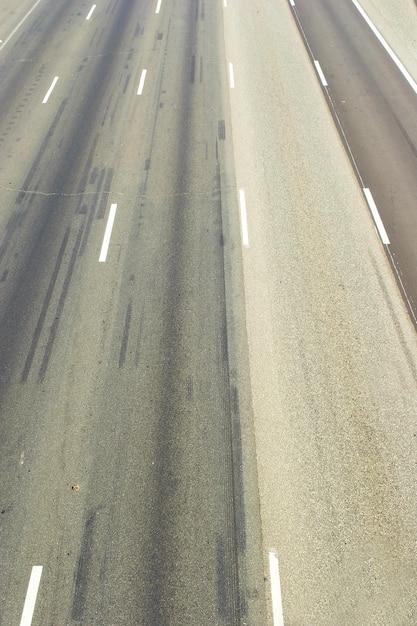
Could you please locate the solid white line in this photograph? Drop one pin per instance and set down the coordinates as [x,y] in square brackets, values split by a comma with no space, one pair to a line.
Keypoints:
[107,234]
[141,82]
[22,21]
[91,12]
[31,595]
[320,73]
[243,218]
[275,590]
[292,3]
[388,49]
[231,76]
[50,90]
[158,6]
[376,216]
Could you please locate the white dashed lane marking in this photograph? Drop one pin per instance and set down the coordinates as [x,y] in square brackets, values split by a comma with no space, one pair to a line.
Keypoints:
[91,12]
[31,595]
[377,218]
[107,234]
[50,90]
[243,218]
[320,73]
[141,82]
[275,590]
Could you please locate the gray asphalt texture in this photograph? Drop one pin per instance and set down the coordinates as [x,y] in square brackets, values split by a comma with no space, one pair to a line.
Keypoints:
[375,108]
[332,346]
[121,451]
[171,416]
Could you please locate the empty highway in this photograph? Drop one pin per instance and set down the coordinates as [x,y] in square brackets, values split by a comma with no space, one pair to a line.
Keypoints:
[208,357]
[121,447]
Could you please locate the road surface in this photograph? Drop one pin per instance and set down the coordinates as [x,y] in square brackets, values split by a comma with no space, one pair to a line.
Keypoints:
[121,387]
[332,345]
[207,364]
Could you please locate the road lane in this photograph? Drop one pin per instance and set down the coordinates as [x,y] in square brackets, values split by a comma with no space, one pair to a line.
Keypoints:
[332,347]
[126,406]
[121,398]
[374,105]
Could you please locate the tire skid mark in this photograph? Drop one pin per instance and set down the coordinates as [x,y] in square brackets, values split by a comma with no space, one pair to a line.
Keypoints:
[35,165]
[44,310]
[92,212]
[125,337]
[60,307]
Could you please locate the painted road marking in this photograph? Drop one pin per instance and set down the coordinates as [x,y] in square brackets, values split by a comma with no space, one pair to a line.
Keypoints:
[388,49]
[31,595]
[158,6]
[50,90]
[320,73]
[107,234]
[292,3]
[141,82]
[91,12]
[231,76]
[22,21]
[275,590]
[243,218]
[376,216]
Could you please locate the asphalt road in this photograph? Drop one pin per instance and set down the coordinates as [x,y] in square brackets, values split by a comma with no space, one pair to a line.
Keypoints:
[332,345]
[208,380]
[374,107]
[123,396]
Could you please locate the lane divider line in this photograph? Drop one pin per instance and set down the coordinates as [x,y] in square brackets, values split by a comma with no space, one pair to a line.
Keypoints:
[158,6]
[31,595]
[22,21]
[320,73]
[107,234]
[91,12]
[275,590]
[375,214]
[50,90]
[141,82]
[231,76]
[243,218]
[387,47]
